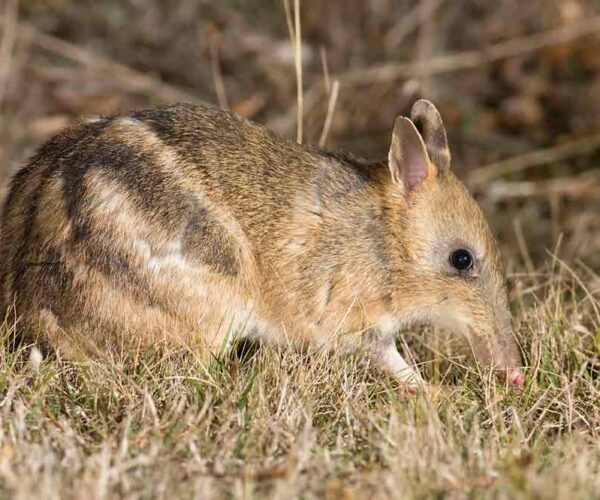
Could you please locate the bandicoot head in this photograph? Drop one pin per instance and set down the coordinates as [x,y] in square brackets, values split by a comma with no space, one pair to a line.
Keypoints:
[450,261]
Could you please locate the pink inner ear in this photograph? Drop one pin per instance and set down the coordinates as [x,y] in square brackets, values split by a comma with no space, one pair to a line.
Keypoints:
[414,156]
[409,163]
[413,179]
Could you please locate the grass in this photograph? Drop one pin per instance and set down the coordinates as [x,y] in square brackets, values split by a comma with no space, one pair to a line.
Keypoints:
[161,423]
[288,422]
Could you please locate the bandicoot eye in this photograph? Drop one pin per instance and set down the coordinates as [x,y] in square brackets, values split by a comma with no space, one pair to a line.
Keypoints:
[461,259]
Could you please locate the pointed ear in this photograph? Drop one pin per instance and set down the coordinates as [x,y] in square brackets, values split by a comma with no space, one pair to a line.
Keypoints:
[408,160]
[429,123]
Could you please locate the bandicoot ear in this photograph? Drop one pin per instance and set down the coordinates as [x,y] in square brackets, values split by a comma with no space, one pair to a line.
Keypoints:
[428,121]
[408,160]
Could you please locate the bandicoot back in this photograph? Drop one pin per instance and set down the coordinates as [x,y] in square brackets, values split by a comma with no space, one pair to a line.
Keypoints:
[190,222]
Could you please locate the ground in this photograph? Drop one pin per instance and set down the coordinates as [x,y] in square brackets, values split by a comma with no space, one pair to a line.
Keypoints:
[517,84]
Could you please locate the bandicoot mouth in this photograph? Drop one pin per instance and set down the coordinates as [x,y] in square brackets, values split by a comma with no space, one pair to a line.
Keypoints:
[513,377]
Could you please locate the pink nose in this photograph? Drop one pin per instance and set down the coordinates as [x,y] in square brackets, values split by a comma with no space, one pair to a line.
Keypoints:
[517,380]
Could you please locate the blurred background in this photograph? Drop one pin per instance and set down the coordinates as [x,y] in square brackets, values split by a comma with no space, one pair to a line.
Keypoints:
[517,83]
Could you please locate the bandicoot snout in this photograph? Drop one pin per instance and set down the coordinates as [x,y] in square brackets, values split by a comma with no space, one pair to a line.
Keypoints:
[188,222]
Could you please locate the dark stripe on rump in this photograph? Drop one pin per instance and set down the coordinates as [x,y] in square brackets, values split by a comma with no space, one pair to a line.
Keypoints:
[207,242]
[139,171]
[151,190]
[53,154]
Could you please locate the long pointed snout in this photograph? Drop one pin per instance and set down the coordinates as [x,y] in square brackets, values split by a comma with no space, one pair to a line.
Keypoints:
[489,333]
[499,351]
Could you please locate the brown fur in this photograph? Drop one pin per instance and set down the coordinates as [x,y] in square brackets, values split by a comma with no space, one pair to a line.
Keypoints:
[190,222]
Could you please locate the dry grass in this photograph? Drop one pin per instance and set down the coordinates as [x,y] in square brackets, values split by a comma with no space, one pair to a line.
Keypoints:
[291,423]
[519,96]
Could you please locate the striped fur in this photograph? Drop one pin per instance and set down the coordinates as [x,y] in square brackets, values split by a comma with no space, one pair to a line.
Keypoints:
[186,222]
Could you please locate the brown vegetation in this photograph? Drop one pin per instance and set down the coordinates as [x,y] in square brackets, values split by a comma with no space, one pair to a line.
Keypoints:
[517,83]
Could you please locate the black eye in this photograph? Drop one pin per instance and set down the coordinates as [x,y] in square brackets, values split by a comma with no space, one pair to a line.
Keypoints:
[461,259]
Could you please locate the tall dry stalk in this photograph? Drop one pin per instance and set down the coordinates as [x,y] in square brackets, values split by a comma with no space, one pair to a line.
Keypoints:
[295,31]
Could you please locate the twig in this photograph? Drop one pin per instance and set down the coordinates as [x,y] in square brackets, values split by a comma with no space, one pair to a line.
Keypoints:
[580,282]
[425,42]
[294,28]
[473,58]
[410,22]
[217,74]
[448,63]
[7,44]
[298,59]
[572,187]
[284,124]
[519,163]
[522,244]
[136,79]
[325,66]
[330,110]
